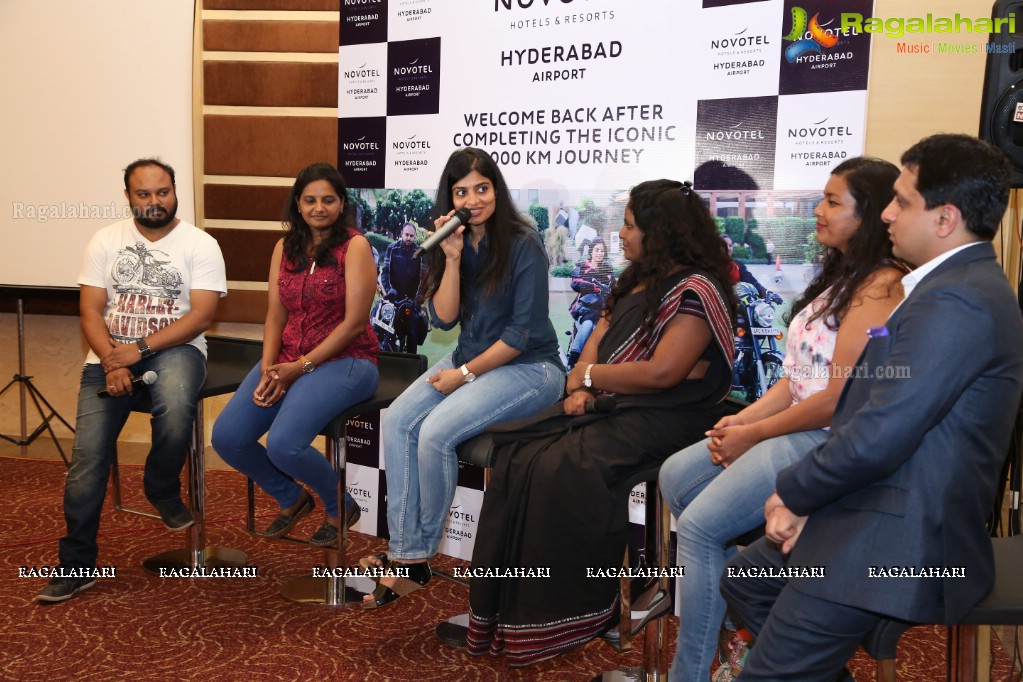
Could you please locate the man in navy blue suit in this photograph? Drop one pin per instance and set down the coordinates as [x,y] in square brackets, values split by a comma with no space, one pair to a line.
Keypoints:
[887,517]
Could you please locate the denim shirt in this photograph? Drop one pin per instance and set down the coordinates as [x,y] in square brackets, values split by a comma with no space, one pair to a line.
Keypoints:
[517,312]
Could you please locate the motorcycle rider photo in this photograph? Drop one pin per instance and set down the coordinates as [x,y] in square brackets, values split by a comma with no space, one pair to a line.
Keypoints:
[592,281]
[401,272]
[744,274]
[398,318]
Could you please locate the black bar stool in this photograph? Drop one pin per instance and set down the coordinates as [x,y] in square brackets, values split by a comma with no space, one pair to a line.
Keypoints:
[479,451]
[228,360]
[1003,606]
[657,538]
[397,372]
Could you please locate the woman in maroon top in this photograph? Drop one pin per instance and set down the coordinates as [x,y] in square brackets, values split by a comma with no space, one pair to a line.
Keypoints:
[319,355]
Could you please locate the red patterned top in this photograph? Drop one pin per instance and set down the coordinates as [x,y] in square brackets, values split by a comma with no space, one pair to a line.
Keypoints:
[315,301]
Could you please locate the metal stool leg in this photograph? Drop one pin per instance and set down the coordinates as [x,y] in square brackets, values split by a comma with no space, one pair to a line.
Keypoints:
[333,589]
[655,665]
[196,556]
[115,480]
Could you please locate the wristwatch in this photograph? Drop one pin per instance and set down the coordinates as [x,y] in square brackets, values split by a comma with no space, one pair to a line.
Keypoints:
[307,364]
[587,380]
[144,350]
[469,376]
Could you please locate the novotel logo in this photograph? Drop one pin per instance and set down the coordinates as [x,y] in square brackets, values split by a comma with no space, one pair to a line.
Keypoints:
[410,144]
[360,145]
[734,134]
[413,68]
[362,72]
[460,515]
[819,130]
[739,41]
[525,4]
[356,3]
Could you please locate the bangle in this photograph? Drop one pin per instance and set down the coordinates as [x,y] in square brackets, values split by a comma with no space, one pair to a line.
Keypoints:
[587,380]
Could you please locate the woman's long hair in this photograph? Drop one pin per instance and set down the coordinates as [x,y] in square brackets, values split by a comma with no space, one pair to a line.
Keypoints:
[871,183]
[678,231]
[502,228]
[297,236]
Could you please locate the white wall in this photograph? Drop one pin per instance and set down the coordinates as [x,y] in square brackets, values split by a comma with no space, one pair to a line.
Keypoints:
[85,88]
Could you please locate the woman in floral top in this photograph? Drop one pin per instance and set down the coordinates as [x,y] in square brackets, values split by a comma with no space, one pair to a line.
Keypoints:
[717,488]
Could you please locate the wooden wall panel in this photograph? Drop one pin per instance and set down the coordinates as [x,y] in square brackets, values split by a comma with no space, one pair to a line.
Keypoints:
[276,146]
[245,202]
[242,305]
[322,5]
[246,252]
[270,36]
[271,84]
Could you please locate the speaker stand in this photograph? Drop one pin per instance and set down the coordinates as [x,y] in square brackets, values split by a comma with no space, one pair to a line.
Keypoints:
[28,389]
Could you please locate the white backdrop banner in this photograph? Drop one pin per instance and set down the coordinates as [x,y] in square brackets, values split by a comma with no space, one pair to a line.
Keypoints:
[577,101]
[599,94]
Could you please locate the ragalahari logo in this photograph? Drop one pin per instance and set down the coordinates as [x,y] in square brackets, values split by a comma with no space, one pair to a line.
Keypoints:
[803,40]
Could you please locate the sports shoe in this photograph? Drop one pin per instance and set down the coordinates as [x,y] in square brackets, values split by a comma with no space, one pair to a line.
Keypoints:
[62,589]
[174,514]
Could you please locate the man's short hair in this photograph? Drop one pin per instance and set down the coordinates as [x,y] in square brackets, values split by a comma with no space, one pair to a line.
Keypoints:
[139,163]
[965,172]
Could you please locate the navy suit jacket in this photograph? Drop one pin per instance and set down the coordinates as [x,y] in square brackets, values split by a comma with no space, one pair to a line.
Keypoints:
[909,473]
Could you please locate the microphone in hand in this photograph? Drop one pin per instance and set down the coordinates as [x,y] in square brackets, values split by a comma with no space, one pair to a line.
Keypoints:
[460,218]
[147,379]
[601,405]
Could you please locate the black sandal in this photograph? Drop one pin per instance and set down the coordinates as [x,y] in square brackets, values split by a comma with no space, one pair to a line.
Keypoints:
[371,568]
[418,575]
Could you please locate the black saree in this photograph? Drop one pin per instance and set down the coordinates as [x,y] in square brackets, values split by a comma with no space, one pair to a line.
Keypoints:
[550,507]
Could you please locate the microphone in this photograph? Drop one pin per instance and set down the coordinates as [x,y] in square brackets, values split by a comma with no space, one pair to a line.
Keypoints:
[461,217]
[147,379]
[601,405]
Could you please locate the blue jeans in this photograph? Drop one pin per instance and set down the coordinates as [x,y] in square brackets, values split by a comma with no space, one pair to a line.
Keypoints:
[181,373]
[582,333]
[713,506]
[422,428]
[291,424]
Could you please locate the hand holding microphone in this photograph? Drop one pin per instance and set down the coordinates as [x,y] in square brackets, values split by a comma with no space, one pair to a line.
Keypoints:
[460,218]
[602,404]
[148,379]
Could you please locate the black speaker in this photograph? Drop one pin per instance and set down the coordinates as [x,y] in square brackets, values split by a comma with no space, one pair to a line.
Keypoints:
[1003,88]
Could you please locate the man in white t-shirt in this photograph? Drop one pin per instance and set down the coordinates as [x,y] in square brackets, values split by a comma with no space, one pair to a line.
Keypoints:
[149,289]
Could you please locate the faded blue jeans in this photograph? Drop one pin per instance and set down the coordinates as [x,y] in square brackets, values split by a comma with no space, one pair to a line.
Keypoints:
[420,432]
[291,424]
[181,373]
[715,505]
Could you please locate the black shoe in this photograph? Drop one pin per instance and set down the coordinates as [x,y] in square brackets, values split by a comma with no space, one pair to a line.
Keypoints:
[325,535]
[174,514]
[284,522]
[452,634]
[62,589]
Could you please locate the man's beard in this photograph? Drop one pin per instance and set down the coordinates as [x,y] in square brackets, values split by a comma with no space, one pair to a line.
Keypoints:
[153,217]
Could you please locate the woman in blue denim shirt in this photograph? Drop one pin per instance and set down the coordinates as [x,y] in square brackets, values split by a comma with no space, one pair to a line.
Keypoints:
[490,276]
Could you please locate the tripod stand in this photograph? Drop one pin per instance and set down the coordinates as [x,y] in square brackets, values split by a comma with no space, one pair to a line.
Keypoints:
[28,389]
